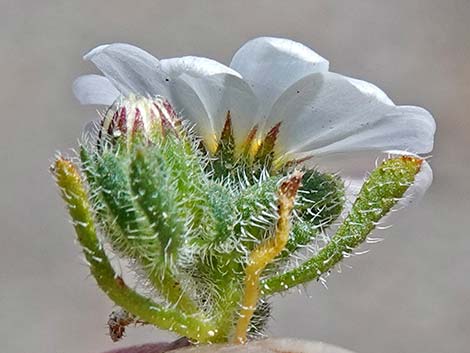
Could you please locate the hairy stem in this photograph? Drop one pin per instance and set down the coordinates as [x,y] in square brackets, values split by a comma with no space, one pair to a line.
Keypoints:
[264,253]
[385,186]
[74,194]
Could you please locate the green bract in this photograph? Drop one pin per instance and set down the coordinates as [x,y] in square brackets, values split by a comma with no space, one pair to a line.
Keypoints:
[207,233]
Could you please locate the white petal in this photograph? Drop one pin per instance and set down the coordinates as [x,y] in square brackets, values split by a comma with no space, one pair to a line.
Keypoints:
[271,65]
[130,69]
[194,66]
[189,105]
[349,165]
[205,90]
[94,89]
[370,89]
[218,88]
[208,99]
[405,128]
[322,109]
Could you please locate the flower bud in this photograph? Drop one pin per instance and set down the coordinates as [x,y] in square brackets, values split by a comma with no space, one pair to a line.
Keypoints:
[134,116]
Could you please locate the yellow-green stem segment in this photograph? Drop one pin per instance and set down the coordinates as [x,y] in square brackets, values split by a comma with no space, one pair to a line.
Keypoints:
[265,253]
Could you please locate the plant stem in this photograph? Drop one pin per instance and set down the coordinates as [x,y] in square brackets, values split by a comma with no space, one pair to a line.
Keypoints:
[74,194]
[384,187]
[265,253]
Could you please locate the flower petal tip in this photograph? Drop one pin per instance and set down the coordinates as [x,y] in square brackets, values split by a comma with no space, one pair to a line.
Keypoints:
[95,51]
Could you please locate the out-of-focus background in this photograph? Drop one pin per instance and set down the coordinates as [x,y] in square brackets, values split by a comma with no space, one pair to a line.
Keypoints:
[411,293]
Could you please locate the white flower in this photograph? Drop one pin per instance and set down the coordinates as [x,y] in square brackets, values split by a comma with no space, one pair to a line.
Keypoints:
[269,81]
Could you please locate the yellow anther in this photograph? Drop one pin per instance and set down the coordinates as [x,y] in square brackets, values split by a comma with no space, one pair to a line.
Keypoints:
[254,147]
[211,142]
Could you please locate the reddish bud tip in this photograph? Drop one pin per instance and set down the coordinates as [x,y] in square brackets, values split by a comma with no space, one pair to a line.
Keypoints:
[139,115]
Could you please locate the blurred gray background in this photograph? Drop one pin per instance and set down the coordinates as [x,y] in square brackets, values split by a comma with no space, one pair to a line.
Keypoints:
[411,293]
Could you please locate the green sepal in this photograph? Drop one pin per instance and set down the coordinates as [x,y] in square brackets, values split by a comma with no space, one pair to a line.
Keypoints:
[320,198]
[154,193]
[221,205]
[185,167]
[302,233]
[256,206]
[224,162]
[132,233]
